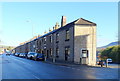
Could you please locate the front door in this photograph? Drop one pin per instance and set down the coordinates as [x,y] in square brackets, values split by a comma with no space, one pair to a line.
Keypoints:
[66,54]
[47,53]
[84,56]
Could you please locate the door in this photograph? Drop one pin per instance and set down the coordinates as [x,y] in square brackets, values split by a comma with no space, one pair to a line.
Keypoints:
[47,53]
[84,56]
[67,51]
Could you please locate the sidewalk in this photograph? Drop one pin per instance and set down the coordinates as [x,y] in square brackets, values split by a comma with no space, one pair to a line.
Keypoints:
[66,63]
[63,63]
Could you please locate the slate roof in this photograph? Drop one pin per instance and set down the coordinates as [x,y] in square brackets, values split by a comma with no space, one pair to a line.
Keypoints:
[79,21]
[82,21]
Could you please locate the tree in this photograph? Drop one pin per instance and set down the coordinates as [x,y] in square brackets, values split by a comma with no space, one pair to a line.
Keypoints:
[111,52]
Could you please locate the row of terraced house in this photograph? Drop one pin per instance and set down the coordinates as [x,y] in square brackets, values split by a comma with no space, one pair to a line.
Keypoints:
[72,42]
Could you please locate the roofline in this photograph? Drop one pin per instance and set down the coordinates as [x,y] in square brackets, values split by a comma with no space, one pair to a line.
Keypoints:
[60,29]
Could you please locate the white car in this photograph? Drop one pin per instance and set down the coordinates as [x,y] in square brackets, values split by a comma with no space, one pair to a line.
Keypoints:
[109,60]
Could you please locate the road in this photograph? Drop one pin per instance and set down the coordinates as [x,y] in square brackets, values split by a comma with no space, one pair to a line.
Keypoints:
[21,68]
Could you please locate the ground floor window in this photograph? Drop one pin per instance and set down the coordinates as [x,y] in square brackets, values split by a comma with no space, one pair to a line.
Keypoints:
[50,51]
[84,53]
[67,53]
[57,52]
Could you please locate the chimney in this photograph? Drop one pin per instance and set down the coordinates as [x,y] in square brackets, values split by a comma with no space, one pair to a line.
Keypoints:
[56,26]
[45,32]
[50,30]
[63,21]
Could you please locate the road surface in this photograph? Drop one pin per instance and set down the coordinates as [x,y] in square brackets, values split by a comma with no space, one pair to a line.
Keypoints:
[22,68]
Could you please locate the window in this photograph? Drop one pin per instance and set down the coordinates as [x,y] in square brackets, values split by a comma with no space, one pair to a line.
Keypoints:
[84,53]
[44,40]
[67,35]
[57,37]
[37,42]
[57,52]
[67,50]
[40,41]
[50,51]
[50,38]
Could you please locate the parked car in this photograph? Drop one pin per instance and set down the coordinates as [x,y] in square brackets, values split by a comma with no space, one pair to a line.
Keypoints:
[30,55]
[100,62]
[8,54]
[22,55]
[17,54]
[38,56]
[109,60]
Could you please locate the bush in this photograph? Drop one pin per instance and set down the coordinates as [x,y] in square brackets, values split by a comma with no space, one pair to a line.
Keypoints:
[111,52]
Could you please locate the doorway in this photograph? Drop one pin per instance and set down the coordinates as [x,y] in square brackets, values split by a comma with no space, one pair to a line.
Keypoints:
[84,59]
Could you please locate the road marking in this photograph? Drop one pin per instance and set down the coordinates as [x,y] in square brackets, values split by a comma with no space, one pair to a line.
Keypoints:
[36,77]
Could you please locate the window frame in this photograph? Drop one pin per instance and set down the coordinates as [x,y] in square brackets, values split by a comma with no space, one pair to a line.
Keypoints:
[57,37]
[51,38]
[67,35]
[68,50]
[57,52]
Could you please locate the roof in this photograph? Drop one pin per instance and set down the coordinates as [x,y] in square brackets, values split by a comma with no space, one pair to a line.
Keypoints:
[79,21]
[82,21]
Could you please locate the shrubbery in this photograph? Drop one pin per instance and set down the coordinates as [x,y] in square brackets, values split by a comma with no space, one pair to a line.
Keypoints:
[112,52]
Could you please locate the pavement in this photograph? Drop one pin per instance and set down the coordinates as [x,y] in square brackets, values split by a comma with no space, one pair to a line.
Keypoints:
[65,63]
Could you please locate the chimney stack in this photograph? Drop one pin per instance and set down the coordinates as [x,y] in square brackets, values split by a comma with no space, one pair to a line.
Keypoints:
[50,30]
[45,32]
[56,26]
[63,21]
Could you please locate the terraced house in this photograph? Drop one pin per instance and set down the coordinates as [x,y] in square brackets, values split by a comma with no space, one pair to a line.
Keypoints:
[73,42]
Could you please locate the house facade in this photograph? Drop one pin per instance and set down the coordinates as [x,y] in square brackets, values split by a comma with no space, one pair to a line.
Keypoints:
[73,42]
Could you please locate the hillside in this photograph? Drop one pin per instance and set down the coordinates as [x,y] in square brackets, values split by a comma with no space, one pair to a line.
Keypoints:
[5,47]
[110,44]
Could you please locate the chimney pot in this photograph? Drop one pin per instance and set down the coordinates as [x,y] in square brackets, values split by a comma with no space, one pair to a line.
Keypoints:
[63,21]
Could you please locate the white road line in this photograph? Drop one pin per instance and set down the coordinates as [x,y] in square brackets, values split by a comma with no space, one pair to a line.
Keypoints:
[36,77]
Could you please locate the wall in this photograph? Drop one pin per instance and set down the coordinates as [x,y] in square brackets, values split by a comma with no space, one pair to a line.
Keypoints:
[85,38]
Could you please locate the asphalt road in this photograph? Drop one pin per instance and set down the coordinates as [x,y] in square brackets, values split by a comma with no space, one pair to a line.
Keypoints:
[21,68]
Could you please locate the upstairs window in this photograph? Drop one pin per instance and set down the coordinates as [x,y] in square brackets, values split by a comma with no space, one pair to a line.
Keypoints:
[67,35]
[40,41]
[44,40]
[57,37]
[50,38]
